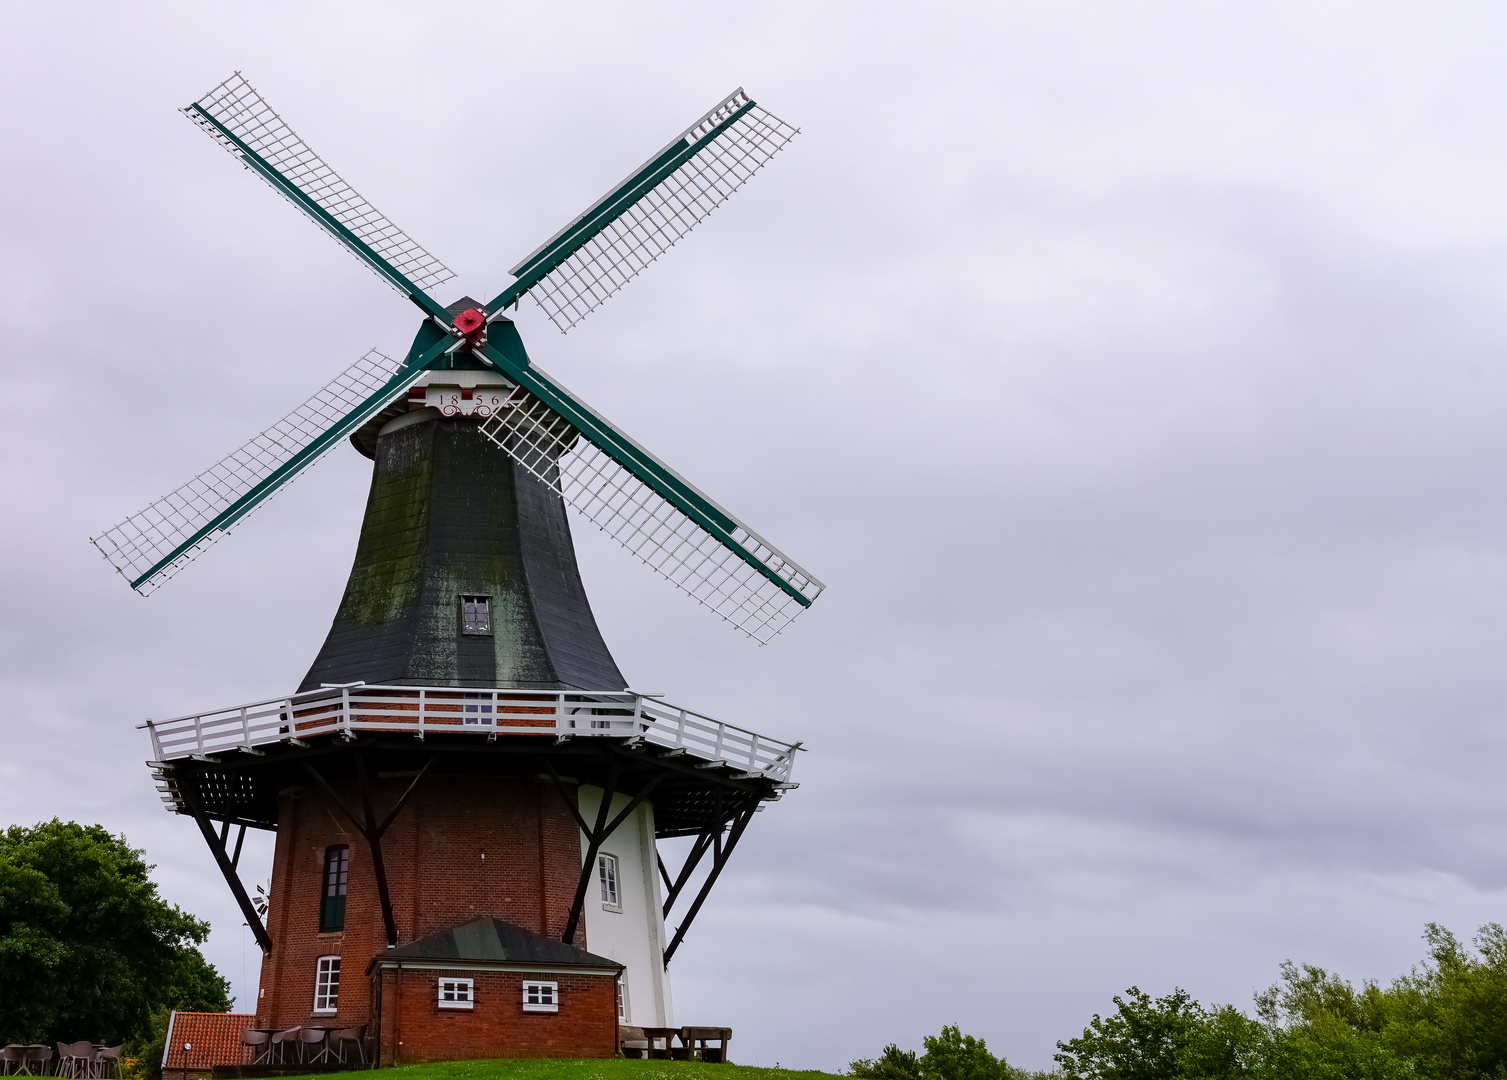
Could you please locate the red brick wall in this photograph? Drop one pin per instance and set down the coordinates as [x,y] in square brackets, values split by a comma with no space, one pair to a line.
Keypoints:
[416,1029]
[436,875]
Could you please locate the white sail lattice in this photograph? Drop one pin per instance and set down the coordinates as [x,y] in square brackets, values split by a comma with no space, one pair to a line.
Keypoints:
[670,210]
[244,113]
[143,540]
[648,526]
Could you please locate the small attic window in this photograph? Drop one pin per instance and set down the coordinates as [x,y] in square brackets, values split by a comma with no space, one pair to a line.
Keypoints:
[475,614]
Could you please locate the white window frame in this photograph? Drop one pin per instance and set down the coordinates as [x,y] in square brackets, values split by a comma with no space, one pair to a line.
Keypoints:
[610,879]
[622,1000]
[463,993]
[546,996]
[325,967]
[480,617]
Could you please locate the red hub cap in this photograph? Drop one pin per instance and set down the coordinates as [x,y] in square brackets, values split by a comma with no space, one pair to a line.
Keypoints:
[472,324]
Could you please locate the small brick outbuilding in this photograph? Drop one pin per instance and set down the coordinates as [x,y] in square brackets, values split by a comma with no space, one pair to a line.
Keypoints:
[489,988]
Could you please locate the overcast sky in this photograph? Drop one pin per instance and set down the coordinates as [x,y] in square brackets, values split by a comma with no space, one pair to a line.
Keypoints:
[1131,373]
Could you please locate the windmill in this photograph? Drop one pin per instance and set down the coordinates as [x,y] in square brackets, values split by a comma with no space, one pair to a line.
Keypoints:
[464,703]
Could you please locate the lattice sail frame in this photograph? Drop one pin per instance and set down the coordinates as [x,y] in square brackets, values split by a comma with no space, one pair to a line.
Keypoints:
[145,538]
[665,214]
[236,104]
[649,527]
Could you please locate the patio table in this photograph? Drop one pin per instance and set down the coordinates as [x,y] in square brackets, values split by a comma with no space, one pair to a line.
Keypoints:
[33,1054]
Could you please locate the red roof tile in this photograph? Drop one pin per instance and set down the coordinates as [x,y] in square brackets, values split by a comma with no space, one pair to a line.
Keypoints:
[215,1038]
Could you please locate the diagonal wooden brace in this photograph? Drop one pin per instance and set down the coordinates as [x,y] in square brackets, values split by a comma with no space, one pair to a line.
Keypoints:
[227,867]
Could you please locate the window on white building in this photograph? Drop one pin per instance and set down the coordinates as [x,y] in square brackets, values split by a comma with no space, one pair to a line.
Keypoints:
[622,1000]
[457,994]
[541,997]
[327,984]
[607,875]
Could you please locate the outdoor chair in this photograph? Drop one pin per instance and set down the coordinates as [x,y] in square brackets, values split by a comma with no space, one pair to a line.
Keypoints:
[280,1041]
[310,1038]
[108,1061]
[257,1042]
[77,1060]
[339,1037]
[10,1058]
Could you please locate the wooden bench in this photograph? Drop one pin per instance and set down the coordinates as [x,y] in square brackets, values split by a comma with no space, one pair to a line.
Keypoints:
[695,1043]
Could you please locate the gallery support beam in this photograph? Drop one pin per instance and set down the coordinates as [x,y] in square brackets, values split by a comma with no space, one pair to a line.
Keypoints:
[722,850]
[692,860]
[226,863]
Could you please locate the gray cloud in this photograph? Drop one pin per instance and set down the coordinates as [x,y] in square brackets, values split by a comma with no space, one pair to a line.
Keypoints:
[1133,379]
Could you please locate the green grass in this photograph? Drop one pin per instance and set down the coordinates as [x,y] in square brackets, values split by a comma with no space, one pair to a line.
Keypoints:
[591,1069]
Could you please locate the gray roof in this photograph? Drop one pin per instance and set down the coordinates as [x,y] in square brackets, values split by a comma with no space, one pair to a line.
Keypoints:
[492,941]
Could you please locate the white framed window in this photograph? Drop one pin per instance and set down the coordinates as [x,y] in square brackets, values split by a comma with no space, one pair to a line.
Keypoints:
[541,997]
[622,1001]
[607,876]
[327,984]
[457,993]
[475,614]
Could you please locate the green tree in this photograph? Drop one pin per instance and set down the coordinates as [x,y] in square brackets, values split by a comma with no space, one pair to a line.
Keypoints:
[1142,1040]
[87,948]
[955,1056]
[1223,1044]
[1446,1020]
[1451,1017]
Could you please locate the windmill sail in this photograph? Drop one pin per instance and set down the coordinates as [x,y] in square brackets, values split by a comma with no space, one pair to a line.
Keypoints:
[154,544]
[632,496]
[611,243]
[236,117]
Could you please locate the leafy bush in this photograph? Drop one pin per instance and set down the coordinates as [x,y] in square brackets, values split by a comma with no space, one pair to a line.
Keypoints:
[892,1063]
[950,1055]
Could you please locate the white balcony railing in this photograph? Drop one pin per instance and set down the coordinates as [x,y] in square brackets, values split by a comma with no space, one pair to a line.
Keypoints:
[422,710]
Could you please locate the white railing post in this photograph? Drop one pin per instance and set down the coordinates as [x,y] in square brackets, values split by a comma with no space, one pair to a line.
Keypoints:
[245,728]
[721,731]
[423,708]
[753,755]
[156,742]
[345,710]
[680,728]
[199,731]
